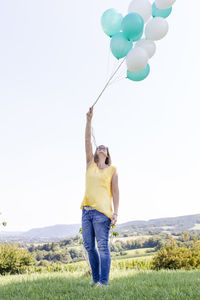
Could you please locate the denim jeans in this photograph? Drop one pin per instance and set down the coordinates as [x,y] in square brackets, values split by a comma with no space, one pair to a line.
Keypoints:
[96,224]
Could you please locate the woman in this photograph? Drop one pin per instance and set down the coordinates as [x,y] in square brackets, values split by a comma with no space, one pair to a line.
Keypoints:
[97,213]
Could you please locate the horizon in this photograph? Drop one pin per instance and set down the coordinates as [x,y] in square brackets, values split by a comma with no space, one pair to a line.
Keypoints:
[54,61]
[5,231]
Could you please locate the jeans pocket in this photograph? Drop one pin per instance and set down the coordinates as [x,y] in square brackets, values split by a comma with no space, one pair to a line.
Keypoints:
[84,213]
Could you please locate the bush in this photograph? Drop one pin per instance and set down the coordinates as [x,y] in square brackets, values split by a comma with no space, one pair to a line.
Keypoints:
[173,256]
[14,259]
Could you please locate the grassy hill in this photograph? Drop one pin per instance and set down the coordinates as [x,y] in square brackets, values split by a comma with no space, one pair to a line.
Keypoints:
[129,284]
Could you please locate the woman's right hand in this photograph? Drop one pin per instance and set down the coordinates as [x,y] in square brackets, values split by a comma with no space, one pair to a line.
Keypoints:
[90,114]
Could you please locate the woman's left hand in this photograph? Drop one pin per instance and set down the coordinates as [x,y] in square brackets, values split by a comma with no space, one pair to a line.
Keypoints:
[114,219]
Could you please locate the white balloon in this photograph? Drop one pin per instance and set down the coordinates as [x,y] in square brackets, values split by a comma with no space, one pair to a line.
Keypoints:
[156,29]
[136,59]
[142,7]
[148,46]
[163,4]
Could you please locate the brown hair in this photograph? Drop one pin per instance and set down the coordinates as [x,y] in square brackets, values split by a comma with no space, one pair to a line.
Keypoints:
[108,158]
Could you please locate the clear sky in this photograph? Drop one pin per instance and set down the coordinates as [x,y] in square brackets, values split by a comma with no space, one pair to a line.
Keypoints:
[53,64]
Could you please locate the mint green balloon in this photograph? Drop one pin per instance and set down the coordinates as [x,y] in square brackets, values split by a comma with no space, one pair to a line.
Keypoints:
[111,22]
[163,13]
[132,26]
[120,46]
[138,37]
[139,75]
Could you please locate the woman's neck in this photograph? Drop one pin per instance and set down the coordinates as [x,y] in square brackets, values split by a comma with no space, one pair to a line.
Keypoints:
[101,163]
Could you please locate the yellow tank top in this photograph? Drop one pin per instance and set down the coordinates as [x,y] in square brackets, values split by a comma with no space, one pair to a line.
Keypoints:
[98,191]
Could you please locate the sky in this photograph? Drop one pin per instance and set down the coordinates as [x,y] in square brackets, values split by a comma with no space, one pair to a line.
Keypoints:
[54,62]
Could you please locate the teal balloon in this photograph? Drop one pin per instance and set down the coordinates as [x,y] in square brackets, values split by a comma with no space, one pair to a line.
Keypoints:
[163,13]
[120,46]
[111,22]
[132,26]
[137,38]
[139,75]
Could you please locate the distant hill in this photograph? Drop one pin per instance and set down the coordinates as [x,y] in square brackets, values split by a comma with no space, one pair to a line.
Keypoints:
[58,231]
[172,225]
[44,234]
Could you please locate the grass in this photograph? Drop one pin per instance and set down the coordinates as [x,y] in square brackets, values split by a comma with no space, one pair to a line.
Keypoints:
[134,253]
[130,284]
[131,238]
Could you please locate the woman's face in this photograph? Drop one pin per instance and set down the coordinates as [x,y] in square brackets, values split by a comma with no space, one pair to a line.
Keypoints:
[102,149]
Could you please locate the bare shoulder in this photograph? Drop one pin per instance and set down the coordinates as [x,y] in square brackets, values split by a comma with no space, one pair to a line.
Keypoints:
[115,173]
[90,162]
[114,181]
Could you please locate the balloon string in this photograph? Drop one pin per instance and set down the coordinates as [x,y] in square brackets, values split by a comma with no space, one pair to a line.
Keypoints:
[119,77]
[108,63]
[111,77]
[117,80]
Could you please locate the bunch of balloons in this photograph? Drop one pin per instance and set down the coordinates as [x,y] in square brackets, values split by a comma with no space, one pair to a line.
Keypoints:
[126,33]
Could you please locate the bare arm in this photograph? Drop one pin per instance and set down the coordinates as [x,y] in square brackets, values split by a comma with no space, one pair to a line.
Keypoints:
[115,193]
[88,144]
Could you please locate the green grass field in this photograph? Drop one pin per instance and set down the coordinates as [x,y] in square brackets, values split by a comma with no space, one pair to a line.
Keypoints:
[130,284]
[134,253]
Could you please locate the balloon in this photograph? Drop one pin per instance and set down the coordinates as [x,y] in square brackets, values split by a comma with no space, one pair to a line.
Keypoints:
[139,75]
[136,59]
[156,29]
[120,46]
[163,4]
[111,22]
[138,37]
[164,13]
[132,25]
[142,7]
[148,46]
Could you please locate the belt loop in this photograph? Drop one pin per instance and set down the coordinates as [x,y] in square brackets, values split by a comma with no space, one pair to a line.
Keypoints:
[87,207]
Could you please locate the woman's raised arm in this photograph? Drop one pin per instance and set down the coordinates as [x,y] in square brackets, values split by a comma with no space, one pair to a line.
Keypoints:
[88,144]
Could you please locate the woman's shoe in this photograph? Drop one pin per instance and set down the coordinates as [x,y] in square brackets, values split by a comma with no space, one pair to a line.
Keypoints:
[92,283]
[99,284]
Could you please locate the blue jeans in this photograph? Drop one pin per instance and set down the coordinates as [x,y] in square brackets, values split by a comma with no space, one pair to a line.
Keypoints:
[96,224]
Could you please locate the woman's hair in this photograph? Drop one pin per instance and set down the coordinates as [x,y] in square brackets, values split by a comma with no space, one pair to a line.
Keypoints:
[108,158]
